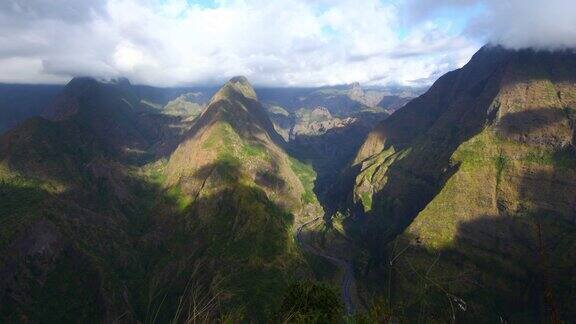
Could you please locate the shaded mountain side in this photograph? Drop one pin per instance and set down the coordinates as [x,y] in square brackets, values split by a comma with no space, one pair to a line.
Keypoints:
[115,114]
[391,103]
[68,256]
[331,152]
[230,244]
[63,158]
[68,214]
[73,210]
[480,187]
[109,110]
[21,101]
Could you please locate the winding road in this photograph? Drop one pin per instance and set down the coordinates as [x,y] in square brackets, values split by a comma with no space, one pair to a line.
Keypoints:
[348,281]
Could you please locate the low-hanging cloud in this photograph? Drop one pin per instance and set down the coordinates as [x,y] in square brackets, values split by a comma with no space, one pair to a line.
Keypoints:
[549,24]
[516,24]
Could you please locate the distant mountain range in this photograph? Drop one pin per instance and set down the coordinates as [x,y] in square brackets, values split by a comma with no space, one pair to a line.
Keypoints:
[21,101]
[122,203]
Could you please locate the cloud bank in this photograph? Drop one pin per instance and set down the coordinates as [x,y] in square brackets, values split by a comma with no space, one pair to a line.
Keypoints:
[274,43]
[515,24]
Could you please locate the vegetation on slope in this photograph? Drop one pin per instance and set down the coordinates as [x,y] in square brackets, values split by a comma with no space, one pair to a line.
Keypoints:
[482,199]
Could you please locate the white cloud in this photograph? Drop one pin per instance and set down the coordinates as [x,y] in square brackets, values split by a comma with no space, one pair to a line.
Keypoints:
[516,24]
[549,24]
[170,42]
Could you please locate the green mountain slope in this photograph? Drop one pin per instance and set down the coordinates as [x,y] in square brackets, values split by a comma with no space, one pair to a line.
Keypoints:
[90,233]
[212,224]
[239,197]
[466,196]
[234,141]
[68,217]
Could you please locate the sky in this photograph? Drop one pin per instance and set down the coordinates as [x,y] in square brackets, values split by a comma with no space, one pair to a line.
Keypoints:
[272,42]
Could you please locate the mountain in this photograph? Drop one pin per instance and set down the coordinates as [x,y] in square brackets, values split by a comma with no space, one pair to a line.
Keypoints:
[329,143]
[21,101]
[342,100]
[235,131]
[18,102]
[92,233]
[132,204]
[184,105]
[241,198]
[109,110]
[326,126]
[465,196]
[69,211]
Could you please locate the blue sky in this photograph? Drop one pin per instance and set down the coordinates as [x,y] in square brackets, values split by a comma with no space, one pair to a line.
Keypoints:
[276,43]
[203,3]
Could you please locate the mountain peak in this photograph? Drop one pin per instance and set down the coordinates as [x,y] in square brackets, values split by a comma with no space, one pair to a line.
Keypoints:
[82,90]
[108,108]
[238,84]
[356,92]
[239,79]
[236,103]
[84,81]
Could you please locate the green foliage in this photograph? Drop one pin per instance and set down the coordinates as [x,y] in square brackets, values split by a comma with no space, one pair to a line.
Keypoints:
[68,296]
[251,236]
[307,176]
[500,162]
[476,152]
[540,157]
[177,198]
[222,133]
[563,159]
[249,226]
[254,150]
[366,200]
[378,311]
[228,143]
[309,302]
[323,269]
[20,202]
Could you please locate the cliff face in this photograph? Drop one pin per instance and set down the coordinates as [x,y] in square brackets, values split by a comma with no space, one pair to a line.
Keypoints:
[408,154]
[475,180]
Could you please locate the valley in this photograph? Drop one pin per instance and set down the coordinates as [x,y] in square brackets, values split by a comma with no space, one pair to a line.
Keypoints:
[200,195]
[287,161]
[124,203]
